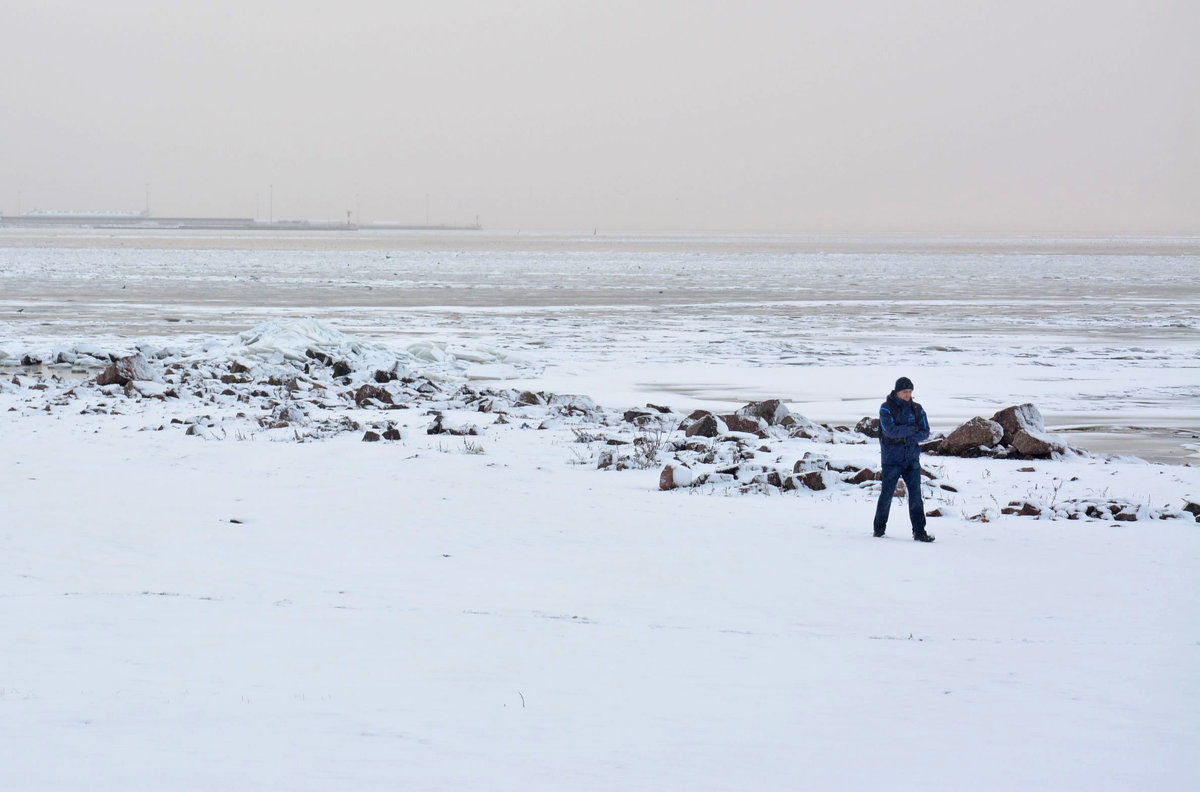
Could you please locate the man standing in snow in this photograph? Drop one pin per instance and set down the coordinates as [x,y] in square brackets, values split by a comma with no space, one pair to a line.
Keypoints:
[903,426]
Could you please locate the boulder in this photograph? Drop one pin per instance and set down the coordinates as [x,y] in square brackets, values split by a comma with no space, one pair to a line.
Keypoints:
[863,476]
[529,399]
[1021,417]
[707,425]
[674,476]
[772,411]
[373,392]
[320,357]
[1035,444]
[742,423]
[1022,508]
[933,445]
[869,426]
[811,461]
[1192,509]
[371,437]
[973,436]
[813,480]
[126,370]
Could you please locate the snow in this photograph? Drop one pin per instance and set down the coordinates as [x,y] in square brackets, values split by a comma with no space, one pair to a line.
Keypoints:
[237,609]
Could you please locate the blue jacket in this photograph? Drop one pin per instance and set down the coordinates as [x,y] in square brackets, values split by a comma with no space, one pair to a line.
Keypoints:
[902,427]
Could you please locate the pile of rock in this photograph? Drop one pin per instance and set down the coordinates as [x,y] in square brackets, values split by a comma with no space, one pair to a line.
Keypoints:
[1111,509]
[813,472]
[765,419]
[318,394]
[1017,432]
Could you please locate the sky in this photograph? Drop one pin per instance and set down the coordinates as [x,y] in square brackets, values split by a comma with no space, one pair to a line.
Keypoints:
[987,116]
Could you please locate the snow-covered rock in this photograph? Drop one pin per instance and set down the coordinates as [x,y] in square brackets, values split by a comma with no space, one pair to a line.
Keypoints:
[126,370]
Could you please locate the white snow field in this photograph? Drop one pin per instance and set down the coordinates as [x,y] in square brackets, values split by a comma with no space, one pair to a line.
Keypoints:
[202,590]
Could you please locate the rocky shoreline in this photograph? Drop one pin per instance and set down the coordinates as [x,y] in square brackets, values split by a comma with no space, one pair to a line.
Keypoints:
[333,385]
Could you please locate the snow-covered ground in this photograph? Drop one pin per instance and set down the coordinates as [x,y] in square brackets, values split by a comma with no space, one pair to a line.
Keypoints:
[202,590]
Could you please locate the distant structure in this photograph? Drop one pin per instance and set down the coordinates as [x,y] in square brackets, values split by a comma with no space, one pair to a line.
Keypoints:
[143,220]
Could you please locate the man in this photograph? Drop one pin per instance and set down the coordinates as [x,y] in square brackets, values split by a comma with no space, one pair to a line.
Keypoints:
[903,427]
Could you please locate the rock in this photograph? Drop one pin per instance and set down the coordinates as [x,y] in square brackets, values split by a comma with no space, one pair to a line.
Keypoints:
[1035,444]
[863,476]
[659,408]
[1192,509]
[1022,508]
[342,369]
[707,426]
[811,461]
[813,480]
[1031,445]
[392,433]
[1017,418]
[636,416]
[869,426]
[529,399]
[31,360]
[674,476]
[373,392]
[126,370]
[933,445]
[1125,516]
[384,377]
[320,357]
[935,513]
[291,413]
[972,437]
[772,411]
[371,437]
[742,423]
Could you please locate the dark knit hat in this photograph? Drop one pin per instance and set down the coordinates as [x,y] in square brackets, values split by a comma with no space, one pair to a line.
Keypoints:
[904,383]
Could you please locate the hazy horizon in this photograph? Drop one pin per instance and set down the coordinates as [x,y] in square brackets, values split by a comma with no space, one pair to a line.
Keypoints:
[664,116]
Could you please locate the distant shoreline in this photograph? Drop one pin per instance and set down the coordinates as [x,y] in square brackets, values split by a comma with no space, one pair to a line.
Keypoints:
[232,233]
[141,222]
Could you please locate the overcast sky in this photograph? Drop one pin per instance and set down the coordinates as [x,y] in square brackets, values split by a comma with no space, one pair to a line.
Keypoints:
[778,115]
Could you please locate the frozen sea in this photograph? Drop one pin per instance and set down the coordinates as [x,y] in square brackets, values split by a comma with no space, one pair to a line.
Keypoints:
[1102,334]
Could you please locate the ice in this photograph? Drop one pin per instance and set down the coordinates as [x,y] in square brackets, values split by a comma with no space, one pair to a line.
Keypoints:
[251,606]
[292,338]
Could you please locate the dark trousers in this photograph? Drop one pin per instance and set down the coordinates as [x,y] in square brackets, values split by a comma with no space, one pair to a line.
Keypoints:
[912,482]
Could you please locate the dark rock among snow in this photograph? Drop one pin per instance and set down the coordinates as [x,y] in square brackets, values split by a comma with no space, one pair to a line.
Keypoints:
[1016,432]
[126,370]
[973,438]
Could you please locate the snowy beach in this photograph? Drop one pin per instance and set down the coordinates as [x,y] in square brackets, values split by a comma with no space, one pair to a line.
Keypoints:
[211,581]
